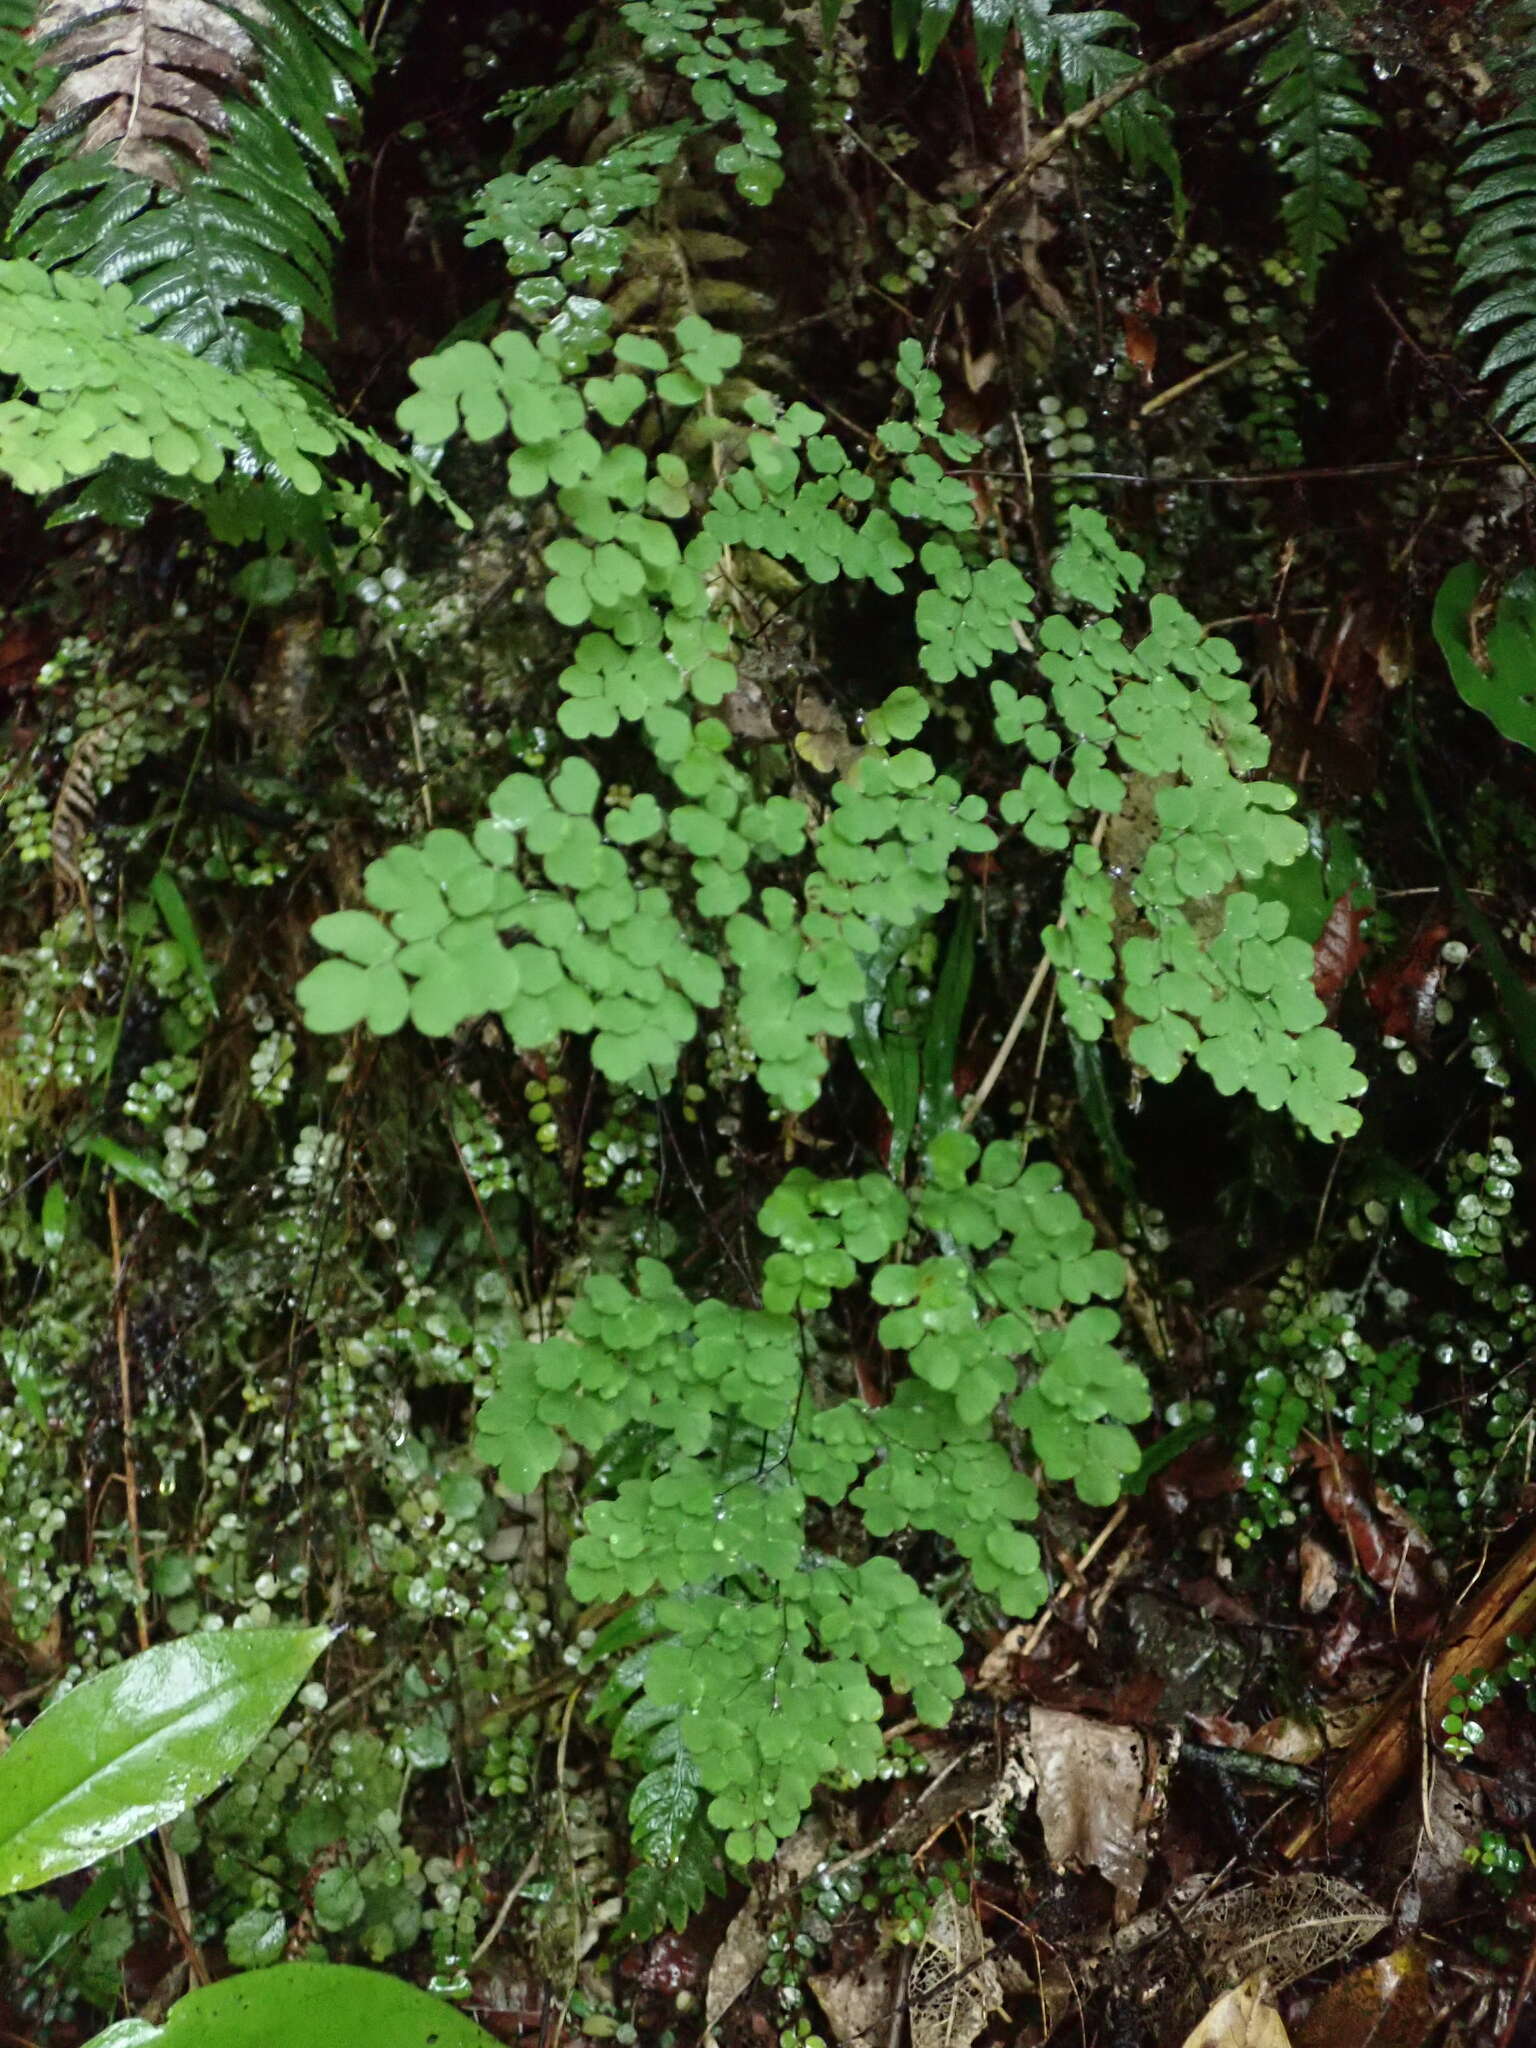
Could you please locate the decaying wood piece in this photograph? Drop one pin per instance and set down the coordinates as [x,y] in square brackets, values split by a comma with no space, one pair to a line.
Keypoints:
[1382,1754]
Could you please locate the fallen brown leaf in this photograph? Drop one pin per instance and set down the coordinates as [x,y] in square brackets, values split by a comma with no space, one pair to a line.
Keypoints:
[1389,2004]
[1091,1781]
[1243,2018]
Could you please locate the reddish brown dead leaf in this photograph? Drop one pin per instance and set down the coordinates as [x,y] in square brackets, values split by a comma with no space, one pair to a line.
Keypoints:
[1140,345]
[1404,992]
[1384,1541]
[1339,950]
[1389,2004]
[24,647]
[1217,1599]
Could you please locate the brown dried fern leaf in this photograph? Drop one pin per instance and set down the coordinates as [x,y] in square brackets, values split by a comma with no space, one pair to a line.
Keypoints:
[146,77]
[74,809]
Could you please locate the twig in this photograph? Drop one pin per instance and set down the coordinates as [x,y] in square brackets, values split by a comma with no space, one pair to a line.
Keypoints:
[1334,472]
[1010,1039]
[1326,692]
[505,1908]
[1381,1754]
[993,1075]
[896,1827]
[903,1984]
[1522,1993]
[1163,399]
[180,1900]
[570,1853]
[1047,1613]
[1075,124]
[125,1399]
[1510,452]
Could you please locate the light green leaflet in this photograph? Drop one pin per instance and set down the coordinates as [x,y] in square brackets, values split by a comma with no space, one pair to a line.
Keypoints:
[303,2005]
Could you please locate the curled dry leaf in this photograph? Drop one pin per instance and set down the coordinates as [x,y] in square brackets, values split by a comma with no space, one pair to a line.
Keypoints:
[1319,1576]
[1404,993]
[1339,951]
[744,1949]
[1385,1542]
[1243,2018]
[1091,1780]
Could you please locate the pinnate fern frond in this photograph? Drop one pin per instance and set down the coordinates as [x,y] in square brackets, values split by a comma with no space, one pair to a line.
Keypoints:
[1497,260]
[139,81]
[1081,51]
[185,153]
[1314,111]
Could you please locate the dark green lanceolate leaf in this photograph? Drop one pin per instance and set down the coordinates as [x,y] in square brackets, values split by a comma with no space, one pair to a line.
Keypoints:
[926,20]
[134,1167]
[1499,679]
[658,1895]
[304,2005]
[1416,1201]
[136,1745]
[938,1108]
[885,1047]
[1094,1100]
[1516,1000]
[172,906]
[680,1853]
[1330,868]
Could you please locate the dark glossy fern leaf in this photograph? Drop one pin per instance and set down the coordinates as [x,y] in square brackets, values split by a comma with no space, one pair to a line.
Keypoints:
[1497,261]
[1314,110]
[1071,48]
[679,1851]
[208,204]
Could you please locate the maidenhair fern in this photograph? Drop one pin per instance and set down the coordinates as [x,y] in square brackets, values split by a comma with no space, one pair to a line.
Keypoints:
[1314,111]
[186,155]
[715,891]
[713,887]
[93,387]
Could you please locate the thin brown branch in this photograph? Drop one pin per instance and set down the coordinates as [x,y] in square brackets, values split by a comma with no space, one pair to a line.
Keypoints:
[125,1400]
[1344,472]
[1007,189]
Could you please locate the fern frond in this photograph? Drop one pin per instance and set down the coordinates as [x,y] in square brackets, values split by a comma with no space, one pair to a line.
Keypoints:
[1069,47]
[1497,259]
[204,192]
[1314,111]
[135,80]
